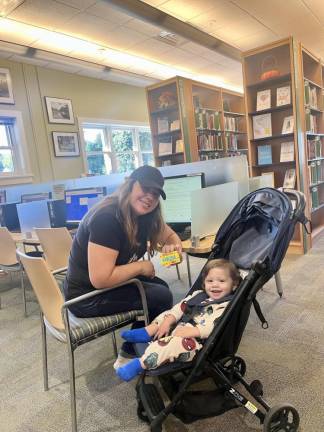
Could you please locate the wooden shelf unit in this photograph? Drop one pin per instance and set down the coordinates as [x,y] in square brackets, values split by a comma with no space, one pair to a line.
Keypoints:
[293,66]
[211,120]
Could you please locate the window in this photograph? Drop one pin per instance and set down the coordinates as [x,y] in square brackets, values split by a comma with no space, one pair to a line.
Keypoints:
[116,148]
[13,149]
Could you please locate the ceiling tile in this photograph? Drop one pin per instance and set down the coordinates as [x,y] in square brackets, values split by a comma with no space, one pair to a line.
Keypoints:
[78,4]
[316,6]
[150,48]
[155,3]
[122,38]
[44,13]
[88,27]
[12,31]
[63,67]
[255,40]
[105,10]
[187,9]
[231,32]
[143,27]
[29,60]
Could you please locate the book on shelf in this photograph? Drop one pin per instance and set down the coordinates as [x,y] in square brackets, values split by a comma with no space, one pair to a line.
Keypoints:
[311,121]
[166,162]
[283,96]
[165,148]
[312,170]
[163,125]
[314,197]
[314,148]
[264,154]
[196,101]
[310,95]
[209,140]
[271,175]
[263,100]
[262,126]
[179,146]
[232,124]
[290,179]
[226,105]
[288,125]
[287,152]
[207,119]
[319,171]
[231,141]
[175,125]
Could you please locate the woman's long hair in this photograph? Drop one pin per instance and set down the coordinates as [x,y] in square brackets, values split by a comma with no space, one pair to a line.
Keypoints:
[121,198]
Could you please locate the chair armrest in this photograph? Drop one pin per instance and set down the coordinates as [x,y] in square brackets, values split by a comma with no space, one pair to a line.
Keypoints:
[59,270]
[138,284]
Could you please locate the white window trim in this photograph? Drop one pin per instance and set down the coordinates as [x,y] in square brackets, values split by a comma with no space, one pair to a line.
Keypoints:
[22,173]
[86,121]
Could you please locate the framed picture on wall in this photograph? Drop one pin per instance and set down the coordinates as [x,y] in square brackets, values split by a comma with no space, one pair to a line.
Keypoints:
[59,110]
[66,144]
[6,94]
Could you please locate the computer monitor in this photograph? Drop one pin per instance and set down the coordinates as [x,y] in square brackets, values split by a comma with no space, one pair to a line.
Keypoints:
[2,196]
[78,202]
[39,196]
[177,206]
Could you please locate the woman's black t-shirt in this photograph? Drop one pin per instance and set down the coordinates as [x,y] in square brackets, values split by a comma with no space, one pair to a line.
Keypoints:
[103,226]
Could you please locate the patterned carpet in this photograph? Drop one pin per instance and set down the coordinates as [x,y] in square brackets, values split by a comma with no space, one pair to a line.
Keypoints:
[288,358]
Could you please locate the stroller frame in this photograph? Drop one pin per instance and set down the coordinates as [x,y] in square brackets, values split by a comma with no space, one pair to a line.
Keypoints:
[225,368]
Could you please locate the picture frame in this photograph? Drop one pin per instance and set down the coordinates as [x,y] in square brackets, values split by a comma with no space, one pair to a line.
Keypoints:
[6,92]
[66,144]
[59,110]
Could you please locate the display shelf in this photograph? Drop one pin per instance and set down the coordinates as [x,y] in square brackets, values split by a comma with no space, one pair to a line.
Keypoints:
[274,89]
[208,120]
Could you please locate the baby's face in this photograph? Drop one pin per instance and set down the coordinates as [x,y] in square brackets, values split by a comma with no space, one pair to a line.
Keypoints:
[218,283]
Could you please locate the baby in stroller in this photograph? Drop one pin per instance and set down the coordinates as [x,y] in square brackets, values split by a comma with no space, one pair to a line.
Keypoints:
[176,334]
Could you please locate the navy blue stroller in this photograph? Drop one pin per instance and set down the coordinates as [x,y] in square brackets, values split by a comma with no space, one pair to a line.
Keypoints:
[255,236]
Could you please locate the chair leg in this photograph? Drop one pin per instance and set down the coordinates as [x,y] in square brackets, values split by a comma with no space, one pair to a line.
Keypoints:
[23,292]
[44,353]
[113,336]
[178,272]
[72,388]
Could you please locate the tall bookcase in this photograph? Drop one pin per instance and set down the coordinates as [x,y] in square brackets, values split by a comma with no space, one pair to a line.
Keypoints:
[283,85]
[192,121]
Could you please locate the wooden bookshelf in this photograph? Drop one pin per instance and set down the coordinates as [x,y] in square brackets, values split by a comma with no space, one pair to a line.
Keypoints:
[211,120]
[282,65]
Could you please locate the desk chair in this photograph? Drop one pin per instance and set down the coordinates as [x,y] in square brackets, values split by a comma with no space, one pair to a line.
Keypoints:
[56,244]
[64,326]
[9,262]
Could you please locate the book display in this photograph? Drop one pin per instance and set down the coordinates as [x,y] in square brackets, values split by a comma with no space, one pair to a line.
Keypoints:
[286,133]
[192,121]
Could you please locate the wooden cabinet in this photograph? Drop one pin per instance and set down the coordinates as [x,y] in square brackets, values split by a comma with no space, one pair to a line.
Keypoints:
[192,121]
[283,85]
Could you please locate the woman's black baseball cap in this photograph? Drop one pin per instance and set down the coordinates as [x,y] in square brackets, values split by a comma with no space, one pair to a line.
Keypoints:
[150,177]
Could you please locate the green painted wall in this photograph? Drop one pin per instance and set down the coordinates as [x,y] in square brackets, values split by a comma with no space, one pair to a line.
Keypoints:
[91,98]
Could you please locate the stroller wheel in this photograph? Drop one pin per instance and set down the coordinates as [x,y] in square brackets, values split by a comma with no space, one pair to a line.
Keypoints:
[236,365]
[281,418]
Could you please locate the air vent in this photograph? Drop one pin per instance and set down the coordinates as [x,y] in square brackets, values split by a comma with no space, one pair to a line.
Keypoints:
[167,37]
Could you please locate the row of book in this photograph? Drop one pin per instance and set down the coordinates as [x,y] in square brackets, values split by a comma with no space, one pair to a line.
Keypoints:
[311,122]
[231,141]
[310,95]
[314,148]
[314,197]
[262,127]
[316,172]
[165,125]
[287,153]
[207,119]
[232,124]
[209,141]
[217,155]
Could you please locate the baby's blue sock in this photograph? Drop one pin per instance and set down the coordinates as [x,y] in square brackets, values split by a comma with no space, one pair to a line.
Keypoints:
[129,370]
[136,335]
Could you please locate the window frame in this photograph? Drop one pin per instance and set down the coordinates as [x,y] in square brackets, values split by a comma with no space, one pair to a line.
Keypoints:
[21,173]
[108,126]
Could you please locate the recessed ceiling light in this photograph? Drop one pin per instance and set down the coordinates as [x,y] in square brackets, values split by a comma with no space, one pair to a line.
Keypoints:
[7,6]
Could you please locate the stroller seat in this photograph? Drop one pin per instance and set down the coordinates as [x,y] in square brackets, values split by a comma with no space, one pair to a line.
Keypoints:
[255,236]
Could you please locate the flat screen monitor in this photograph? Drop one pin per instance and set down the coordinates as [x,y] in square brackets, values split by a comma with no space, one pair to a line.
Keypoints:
[177,206]
[40,196]
[2,196]
[79,201]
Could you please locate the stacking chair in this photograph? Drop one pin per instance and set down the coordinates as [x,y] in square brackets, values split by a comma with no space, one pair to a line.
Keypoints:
[63,325]
[56,244]
[9,262]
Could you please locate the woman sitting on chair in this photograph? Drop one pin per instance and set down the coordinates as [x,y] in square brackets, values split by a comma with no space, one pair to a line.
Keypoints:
[108,245]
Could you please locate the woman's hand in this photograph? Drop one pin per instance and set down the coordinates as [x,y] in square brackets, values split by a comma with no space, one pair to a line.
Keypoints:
[147,269]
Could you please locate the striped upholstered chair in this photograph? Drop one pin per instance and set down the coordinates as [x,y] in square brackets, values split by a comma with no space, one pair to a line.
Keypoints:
[63,325]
